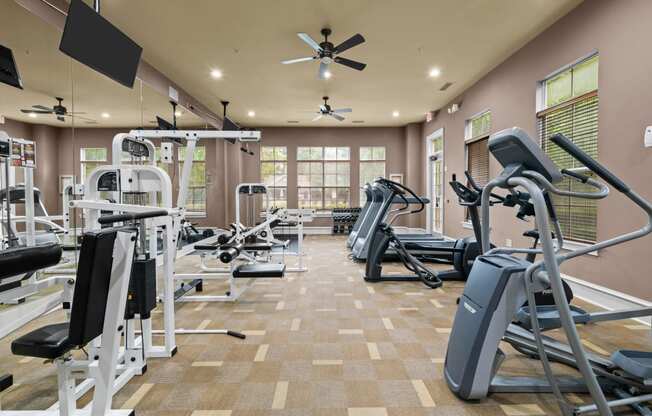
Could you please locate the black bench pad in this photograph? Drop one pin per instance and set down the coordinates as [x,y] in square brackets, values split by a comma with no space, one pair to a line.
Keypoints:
[6,381]
[50,341]
[259,270]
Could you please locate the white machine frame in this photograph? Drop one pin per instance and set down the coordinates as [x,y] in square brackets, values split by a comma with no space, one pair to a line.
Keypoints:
[100,373]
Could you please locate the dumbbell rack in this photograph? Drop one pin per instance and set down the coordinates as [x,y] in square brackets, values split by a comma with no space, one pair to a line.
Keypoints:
[343,219]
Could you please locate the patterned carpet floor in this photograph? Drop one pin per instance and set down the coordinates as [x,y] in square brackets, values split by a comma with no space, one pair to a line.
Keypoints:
[322,342]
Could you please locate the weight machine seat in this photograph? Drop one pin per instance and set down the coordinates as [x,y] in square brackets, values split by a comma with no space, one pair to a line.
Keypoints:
[636,363]
[88,306]
[246,247]
[21,260]
[50,342]
[259,270]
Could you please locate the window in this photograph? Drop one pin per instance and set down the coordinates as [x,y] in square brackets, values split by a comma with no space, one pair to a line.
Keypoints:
[274,174]
[372,165]
[324,176]
[476,136]
[90,158]
[570,106]
[196,200]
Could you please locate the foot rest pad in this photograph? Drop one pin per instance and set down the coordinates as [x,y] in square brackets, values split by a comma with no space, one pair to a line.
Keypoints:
[259,270]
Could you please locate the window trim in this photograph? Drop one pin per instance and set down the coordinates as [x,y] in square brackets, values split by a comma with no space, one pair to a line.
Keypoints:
[323,187]
[467,126]
[179,165]
[274,161]
[541,89]
[542,111]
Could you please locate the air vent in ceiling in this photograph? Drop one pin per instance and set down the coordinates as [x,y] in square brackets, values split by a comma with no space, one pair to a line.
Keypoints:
[445,86]
[358,121]
[293,121]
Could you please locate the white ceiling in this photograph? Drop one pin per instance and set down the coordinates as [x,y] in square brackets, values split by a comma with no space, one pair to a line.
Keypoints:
[247,39]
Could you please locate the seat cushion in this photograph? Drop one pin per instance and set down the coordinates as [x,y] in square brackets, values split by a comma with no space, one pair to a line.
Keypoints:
[259,270]
[50,341]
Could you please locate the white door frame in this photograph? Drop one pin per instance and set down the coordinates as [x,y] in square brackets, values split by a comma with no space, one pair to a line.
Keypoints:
[429,174]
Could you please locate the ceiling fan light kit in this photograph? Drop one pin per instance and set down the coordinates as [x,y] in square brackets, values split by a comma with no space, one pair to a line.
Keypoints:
[327,53]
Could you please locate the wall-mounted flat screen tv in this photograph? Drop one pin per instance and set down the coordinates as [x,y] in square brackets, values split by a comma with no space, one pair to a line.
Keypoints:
[94,41]
[8,69]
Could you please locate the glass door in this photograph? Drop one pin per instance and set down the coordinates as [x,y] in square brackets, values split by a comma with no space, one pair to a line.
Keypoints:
[436,182]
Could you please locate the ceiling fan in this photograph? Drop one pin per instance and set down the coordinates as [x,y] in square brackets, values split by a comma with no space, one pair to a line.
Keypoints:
[327,53]
[59,110]
[326,110]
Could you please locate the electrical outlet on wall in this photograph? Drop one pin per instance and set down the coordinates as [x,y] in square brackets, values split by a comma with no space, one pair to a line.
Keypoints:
[508,242]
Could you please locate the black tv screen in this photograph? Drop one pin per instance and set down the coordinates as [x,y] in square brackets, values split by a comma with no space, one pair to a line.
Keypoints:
[94,41]
[8,70]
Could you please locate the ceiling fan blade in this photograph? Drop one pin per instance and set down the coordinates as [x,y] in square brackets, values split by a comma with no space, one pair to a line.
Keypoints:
[42,107]
[354,40]
[35,111]
[343,110]
[68,113]
[86,119]
[323,69]
[310,41]
[336,116]
[294,61]
[318,117]
[351,64]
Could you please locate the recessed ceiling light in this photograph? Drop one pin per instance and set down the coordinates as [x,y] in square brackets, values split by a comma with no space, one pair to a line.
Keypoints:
[435,72]
[216,73]
[178,113]
[251,114]
[327,74]
[395,113]
[32,115]
[105,115]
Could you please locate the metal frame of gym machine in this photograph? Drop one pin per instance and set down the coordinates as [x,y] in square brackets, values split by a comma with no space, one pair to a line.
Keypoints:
[23,312]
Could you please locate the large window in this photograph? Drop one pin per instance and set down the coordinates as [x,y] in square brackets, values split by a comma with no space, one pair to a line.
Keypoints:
[196,200]
[476,137]
[90,158]
[569,105]
[323,177]
[372,165]
[274,174]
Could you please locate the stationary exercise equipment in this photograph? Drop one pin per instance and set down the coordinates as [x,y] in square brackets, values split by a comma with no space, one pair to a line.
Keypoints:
[98,308]
[251,250]
[500,283]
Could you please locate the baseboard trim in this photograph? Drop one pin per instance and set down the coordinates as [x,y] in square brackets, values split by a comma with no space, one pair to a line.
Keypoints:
[605,298]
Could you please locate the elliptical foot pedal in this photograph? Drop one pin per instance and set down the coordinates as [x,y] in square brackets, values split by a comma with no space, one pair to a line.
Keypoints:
[636,363]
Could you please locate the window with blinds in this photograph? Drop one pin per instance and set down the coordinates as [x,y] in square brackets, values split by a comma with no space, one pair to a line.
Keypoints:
[478,160]
[571,101]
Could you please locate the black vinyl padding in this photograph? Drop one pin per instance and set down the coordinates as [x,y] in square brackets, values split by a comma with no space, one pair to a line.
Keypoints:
[91,286]
[6,381]
[256,270]
[50,342]
[21,260]
[88,307]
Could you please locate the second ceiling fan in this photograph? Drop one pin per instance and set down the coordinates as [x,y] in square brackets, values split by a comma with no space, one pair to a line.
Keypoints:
[326,110]
[327,52]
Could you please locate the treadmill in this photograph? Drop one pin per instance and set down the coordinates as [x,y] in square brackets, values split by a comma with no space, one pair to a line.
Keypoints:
[424,246]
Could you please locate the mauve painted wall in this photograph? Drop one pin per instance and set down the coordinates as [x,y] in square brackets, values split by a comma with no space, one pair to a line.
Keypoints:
[47,166]
[620,32]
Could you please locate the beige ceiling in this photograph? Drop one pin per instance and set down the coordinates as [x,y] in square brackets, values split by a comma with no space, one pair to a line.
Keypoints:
[247,39]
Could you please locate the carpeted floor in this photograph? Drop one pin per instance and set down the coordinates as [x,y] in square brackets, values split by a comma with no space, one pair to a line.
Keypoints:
[322,342]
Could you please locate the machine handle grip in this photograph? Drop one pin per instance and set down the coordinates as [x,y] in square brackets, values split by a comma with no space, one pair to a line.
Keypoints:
[581,156]
[111,219]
